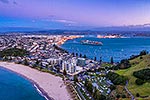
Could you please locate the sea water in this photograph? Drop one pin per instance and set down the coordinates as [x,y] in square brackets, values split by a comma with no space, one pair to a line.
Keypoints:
[118,48]
[16,87]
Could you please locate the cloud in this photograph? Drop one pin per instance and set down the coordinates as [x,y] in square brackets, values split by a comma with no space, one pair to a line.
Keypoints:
[7,1]
[60,21]
[64,21]
[15,3]
[4,1]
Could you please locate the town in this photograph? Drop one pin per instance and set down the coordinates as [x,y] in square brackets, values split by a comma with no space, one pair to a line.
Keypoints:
[44,53]
[88,78]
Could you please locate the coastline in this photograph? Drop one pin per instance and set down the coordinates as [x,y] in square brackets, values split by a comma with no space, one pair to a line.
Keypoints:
[48,92]
[34,84]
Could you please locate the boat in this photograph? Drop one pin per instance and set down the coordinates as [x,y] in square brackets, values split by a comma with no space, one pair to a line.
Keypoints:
[89,42]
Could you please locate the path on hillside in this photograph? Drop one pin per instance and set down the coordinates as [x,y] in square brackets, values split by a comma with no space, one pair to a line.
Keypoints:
[132,97]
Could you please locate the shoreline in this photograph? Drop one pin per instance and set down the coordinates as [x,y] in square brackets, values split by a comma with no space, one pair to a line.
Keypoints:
[34,84]
[43,92]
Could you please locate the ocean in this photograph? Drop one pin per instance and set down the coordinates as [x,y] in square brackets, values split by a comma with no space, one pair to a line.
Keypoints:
[118,48]
[16,87]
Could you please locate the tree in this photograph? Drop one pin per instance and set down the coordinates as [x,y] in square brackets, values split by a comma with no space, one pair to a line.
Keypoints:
[37,62]
[80,55]
[73,54]
[5,58]
[41,66]
[112,87]
[26,62]
[76,54]
[111,60]
[94,58]
[90,86]
[102,97]
[96,94]
[144,52]
[143,74]
[139,82]
[86,82]
[137,95]
[123,64]
[141,57]
[116,78]
[58,69]
[13,52]
[64,72]
[123,96]
[118,96]
[75,78]
[34,65]
[84,56]
[120,80]
[100,60]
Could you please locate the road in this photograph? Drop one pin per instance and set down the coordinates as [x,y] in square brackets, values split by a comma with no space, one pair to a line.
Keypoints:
[132,97]
[78,89]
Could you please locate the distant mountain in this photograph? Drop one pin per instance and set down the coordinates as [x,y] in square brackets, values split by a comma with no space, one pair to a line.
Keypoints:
[18,29]
[131,29]
[144,27]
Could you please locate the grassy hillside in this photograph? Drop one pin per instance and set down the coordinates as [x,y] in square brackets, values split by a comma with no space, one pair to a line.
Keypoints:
[137,64]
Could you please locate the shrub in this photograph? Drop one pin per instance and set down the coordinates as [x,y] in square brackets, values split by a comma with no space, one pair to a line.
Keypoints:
[13,52]
[122,65]
[123,96]
[117,96]
[133,57]
[125,64]
[143,74]
[139,82]
[137,95]
[116,78]
[112,87]
[144,52]
[102,97]
[141,57]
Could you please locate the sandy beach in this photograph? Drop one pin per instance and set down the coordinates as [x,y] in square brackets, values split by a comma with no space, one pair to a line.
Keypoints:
[52,85]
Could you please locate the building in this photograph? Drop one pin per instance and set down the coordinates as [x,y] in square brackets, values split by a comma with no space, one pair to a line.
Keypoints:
[81,62]
[53,61]
[70,65]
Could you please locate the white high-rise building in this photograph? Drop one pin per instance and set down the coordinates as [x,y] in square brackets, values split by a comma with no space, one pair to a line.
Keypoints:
[54,61]
[70,65]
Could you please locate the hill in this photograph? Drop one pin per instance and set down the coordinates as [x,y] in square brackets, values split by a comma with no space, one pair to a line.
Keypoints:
[137,64]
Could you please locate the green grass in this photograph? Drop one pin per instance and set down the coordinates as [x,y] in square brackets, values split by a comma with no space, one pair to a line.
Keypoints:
[106,65]
[137,64]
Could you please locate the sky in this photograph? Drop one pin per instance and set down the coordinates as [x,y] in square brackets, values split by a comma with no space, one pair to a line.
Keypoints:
[73,14]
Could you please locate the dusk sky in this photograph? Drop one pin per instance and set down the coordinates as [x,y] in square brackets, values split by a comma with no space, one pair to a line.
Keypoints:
[65,14]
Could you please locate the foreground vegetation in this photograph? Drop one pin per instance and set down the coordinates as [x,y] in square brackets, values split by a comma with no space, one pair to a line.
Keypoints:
[138,66]
[116,78]
[13,52]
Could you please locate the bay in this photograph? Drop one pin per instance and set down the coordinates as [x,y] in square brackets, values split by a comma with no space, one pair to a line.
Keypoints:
[118,48]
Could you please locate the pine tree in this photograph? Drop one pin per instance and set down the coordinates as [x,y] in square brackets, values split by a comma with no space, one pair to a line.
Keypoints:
[84,56]
[80,55]
[64,72]
[94,58]
[111,60]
